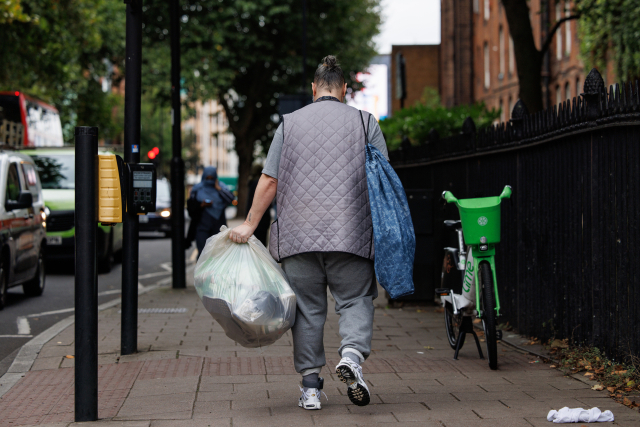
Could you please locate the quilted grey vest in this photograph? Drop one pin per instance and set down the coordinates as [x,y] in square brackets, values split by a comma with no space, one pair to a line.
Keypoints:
[323,201]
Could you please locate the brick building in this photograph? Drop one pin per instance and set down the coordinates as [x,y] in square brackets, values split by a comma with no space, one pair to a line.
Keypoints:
[421,71]
[214,139]
[476,32]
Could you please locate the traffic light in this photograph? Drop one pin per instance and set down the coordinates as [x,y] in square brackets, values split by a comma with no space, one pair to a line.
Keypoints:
[154,156]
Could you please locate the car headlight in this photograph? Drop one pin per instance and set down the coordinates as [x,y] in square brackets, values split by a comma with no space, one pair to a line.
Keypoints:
[165,213]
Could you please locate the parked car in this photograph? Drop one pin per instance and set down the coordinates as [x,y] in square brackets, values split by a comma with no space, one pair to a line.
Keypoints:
[56,167]
[22,226]
[160,220]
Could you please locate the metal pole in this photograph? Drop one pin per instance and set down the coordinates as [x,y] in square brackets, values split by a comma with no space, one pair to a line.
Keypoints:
[132,94]
[86,279]
[177,165]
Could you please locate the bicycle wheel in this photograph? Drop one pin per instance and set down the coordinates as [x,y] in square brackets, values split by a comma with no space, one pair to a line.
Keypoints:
[453,323]
[488,302]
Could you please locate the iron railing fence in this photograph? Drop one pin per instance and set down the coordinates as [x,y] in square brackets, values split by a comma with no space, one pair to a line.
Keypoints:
[569,261]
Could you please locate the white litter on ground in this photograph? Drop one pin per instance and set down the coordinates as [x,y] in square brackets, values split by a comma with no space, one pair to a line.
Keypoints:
[579,415]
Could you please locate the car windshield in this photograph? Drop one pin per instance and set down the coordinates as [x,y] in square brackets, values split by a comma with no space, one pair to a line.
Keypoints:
[56,170]
[163,191]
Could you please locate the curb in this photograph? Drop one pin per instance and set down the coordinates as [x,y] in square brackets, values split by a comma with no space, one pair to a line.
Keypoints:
[29,351]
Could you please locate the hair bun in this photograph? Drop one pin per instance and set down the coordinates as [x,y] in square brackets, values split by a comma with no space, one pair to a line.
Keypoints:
[330,62]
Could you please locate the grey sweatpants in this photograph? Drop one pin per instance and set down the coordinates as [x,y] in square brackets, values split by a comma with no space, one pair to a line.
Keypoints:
[351,280]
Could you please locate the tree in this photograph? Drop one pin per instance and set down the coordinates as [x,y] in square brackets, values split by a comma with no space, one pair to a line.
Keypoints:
[11,10]
[609,30]
[417,121]
[247,53]
[528,57]
[58,51]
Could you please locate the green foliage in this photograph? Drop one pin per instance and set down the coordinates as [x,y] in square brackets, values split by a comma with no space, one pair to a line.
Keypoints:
[60,53]
[11,10]
[608,31]
[416,122]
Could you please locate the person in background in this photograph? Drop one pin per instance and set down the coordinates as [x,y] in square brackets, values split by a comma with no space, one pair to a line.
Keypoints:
[263,226]
[206,206]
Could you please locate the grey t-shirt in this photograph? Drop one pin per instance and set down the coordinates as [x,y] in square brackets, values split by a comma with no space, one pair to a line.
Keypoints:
[272,164]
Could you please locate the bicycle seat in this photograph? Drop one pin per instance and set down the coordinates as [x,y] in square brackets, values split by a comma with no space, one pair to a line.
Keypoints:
[450,223]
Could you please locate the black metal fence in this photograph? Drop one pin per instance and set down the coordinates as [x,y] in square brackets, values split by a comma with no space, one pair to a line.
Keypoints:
[569,261]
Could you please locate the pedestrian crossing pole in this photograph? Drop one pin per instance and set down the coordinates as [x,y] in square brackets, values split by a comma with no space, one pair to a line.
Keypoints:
[132,99]
[86,279]
[178,264]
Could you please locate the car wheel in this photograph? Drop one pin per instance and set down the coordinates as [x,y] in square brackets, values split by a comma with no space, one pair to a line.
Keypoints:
[3,286]
[35,286]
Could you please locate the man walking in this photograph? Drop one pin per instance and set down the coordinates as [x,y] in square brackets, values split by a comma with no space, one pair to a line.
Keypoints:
[323,235]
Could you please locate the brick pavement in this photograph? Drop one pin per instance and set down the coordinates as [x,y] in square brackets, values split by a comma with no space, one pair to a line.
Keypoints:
[188,373]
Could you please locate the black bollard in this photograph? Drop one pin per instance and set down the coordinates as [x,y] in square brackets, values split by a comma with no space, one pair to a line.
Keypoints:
[86,279]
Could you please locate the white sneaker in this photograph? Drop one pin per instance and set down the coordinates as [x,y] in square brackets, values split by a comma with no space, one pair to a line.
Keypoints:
[310,399]
[350,373]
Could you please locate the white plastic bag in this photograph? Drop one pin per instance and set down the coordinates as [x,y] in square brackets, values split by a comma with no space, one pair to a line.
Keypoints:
[244,290]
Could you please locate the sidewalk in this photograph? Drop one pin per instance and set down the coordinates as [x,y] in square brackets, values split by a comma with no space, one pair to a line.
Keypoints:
[188,373]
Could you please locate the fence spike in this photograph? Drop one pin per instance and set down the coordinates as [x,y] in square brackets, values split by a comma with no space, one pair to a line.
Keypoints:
[575,102]
[610,100]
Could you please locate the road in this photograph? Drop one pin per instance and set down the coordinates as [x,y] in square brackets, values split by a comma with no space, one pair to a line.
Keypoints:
[24,318]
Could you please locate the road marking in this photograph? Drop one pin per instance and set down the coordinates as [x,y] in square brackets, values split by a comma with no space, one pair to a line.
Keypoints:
[16,336]
[158,273]
[47,313]
[23,326]
[111,292]
[166,266]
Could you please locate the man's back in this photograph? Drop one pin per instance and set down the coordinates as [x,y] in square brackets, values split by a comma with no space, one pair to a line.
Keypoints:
[323,203]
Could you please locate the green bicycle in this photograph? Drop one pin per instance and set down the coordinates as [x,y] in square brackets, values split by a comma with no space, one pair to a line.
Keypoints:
[478,233]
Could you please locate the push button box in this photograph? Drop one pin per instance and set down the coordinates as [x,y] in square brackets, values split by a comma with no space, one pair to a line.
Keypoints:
[142,188]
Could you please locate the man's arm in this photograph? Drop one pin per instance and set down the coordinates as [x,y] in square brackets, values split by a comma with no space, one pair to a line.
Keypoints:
[265,192]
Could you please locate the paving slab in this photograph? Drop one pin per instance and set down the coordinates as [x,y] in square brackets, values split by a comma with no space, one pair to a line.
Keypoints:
[188,373]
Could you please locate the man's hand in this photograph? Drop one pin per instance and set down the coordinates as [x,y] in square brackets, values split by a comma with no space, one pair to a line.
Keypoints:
[241,233]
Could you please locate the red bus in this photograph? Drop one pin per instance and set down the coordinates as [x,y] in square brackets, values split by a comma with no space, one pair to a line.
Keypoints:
[28,122]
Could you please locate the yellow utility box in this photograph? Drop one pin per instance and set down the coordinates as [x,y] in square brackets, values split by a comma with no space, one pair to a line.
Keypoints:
[109,190]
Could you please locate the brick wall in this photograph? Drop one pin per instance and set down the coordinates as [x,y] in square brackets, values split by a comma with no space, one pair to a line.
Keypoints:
[422,70]
[483,22]
[456,52]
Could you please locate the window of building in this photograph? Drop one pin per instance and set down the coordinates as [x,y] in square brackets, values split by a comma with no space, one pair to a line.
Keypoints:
[502,112]
[558,33]
[512,56]
[501,48]
[487,73]
[578,87]
[567,29]
[558,95]
[567,91]
[487,9]
[476,8]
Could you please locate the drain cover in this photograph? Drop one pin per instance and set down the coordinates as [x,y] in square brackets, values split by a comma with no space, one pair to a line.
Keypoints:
[160,310]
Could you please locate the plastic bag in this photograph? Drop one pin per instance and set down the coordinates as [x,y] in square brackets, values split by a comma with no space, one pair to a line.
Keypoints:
[394,239]
[244,290]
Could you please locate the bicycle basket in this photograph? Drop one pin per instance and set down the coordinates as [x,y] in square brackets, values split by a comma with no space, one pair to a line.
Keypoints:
[480,218]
